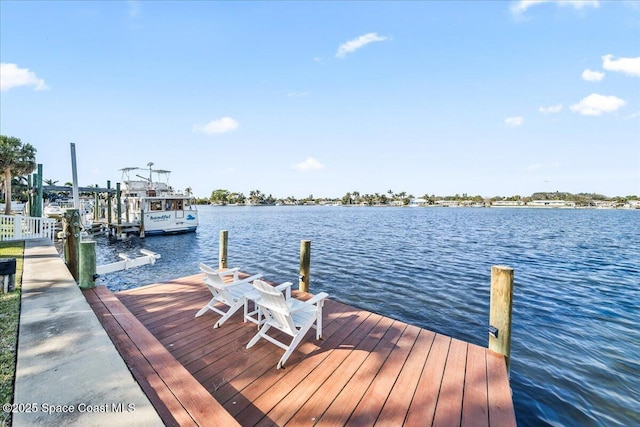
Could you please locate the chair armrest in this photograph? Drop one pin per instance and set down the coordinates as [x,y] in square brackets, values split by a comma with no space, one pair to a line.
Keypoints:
[243,281]
[314,303]
[228,272]
[286,286]
[317,298]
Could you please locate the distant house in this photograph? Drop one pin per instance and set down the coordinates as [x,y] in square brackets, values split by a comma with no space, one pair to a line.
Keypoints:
[447,203]
[507,203]
[604,204]
[414,203]
[552,204]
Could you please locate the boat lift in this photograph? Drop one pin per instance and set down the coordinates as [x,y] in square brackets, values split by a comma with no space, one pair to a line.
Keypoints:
[127,263]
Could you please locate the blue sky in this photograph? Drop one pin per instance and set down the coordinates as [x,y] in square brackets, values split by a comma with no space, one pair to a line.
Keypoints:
[322,98]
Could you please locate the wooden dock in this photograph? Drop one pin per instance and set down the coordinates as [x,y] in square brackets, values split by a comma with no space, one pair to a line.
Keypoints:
[368,369]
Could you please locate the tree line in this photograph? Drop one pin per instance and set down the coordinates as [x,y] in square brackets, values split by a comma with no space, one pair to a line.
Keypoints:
[391,198]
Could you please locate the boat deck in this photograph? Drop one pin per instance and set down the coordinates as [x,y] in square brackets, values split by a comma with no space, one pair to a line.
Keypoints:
[367,370]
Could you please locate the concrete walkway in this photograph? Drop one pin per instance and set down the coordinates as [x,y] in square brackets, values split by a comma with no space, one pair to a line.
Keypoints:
[68,371]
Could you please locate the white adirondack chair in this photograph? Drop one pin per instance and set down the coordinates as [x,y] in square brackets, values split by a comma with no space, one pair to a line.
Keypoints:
[291,316]
[233,294]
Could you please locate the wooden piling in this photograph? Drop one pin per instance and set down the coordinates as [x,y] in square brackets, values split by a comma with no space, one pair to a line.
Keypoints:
[500,310]
[72,230]
[126,209]
[118,204]
[38,203]
[34,211]
[87,268]
[30,196]
[223,248]
[141,233]
[96,206]
[305,265]
[108,203]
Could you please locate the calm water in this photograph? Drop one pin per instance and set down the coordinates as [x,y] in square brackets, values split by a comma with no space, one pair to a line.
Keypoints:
[576,335]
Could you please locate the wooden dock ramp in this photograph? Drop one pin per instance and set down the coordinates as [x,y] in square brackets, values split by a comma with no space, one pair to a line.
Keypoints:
[368,370]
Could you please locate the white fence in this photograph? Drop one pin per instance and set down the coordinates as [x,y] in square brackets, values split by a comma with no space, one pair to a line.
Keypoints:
[18,227]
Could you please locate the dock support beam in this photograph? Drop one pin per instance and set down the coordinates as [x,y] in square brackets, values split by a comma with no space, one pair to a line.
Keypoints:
[72,230]
[31,196]
[141,232]
[305,265]
[38,184]
[87,268]
[500,310]
[118,204]
[223,248]
[108,204]
[96,206]
[74,177]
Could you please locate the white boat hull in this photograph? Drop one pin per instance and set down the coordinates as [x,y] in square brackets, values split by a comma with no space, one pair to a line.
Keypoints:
[170,222]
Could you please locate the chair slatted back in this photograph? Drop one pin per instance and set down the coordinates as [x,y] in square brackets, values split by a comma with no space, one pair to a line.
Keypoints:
[275,307]
[216,284]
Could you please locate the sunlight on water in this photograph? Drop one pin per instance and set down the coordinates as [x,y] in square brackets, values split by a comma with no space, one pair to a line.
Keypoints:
[576,337]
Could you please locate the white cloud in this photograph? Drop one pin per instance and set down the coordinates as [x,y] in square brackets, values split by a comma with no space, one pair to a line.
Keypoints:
[309,164]
[519,7]
[134,8]
[514,121]
[632,116]
[552,109]
[595,105]
[11,76]
[225,124]
[297,94]
[592,76]
[355,44]
[629,66]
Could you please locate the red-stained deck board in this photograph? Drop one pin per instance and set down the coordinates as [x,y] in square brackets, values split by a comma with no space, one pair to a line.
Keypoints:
[367,369]
[174,390]
[397,405]
[367,411]
[323,396]
[299,390]
[474,406]
[449,406]
[244,389]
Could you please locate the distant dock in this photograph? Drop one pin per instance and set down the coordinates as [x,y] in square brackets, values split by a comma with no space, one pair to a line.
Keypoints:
[368,369]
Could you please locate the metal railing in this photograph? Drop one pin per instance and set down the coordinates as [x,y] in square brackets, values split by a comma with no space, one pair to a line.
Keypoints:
[18,227]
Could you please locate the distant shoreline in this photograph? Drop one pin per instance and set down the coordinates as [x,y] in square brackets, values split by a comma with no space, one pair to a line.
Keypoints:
[538,200]
[625,207]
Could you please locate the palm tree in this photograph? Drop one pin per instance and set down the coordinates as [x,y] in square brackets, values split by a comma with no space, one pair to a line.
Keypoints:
[256,197]
[355,196]
[19,185]
[50,182]
[16,159]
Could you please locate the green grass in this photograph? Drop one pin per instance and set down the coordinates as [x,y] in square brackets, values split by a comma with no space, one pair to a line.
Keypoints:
[9,319]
